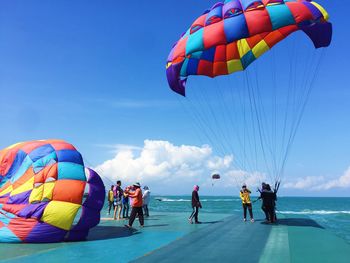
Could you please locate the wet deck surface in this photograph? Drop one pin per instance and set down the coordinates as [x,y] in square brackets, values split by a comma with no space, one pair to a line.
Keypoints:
[170,238]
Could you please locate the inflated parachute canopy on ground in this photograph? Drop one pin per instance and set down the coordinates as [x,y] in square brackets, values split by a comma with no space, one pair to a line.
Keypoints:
[46,193]
[234,33]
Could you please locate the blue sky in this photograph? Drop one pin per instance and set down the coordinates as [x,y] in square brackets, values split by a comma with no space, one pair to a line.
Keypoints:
[93,74]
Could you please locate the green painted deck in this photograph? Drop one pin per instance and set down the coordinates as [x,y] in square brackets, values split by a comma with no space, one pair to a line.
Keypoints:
[167,237]
[292,240]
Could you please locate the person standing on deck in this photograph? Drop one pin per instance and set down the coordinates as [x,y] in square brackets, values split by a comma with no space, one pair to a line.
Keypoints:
[146,199]
[246,203]
[118,193]
[263,188]
[110,198]
[268,202]
[196,204]
[125,203]
[136,205]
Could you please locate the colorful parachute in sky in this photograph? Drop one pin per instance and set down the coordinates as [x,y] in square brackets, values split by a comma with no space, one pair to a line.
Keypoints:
[215,176]
[46,193]
[234,33]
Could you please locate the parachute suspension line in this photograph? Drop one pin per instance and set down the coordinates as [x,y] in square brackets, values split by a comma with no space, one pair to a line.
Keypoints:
[101,175]
[199,124]
[292,110]
[249,130]
[201,127]
[217,141]
[240,130]
[290,85]
[249,163]
[274,113]
[201,120]
[290,105]
[234,111]
[253,123]
[199,131]
[227,119]
[237,164]
[268,139]
[224,115]
[257,118]
[220,130]
[303,106]
[254,109]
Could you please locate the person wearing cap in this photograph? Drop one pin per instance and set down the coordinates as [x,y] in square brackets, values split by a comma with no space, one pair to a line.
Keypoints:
[136,204]
[196,204]
[146,199]
[246,203]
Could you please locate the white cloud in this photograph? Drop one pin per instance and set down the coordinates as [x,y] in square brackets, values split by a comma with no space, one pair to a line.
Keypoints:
[305,182]
[171,169]
[319,183]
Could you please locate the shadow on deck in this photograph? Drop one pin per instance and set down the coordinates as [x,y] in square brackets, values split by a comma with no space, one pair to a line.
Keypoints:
[304,222]
[109,232]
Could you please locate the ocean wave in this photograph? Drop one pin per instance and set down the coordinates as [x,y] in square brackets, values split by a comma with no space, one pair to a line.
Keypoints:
[315,212]
[172,200]
[188,200]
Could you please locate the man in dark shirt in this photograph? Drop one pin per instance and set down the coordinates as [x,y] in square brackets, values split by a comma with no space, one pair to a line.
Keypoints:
[196,204]
[269,199]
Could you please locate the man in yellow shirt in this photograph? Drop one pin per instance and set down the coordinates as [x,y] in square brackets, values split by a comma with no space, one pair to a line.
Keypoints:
[110,199]
[246,203]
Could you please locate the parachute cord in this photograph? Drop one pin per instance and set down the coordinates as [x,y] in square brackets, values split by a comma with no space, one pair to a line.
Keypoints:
[235,128]
[274,111]
[290,86]
[243,112]
[222,149]
[204,127]
[199,124]
[268,139]
[297,108]
[220,130]
[195,121]
[254,124]
[225,113]
[247,135]
[100,174]
[311,87]
[287,115]
[258,119]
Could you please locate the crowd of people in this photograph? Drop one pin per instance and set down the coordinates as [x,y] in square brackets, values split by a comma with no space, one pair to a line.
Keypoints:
[267,195]
[121,199]
[131,196]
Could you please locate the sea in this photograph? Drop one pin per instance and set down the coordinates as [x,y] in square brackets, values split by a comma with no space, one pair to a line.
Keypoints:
[331,213]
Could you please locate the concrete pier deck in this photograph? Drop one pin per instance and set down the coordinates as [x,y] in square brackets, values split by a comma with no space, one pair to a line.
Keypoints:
[168,237]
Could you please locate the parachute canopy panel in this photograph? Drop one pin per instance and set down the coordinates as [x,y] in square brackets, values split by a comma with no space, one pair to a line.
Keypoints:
[232,34]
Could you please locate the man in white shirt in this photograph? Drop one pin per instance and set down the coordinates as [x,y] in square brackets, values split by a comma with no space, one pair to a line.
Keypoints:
[146,199]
